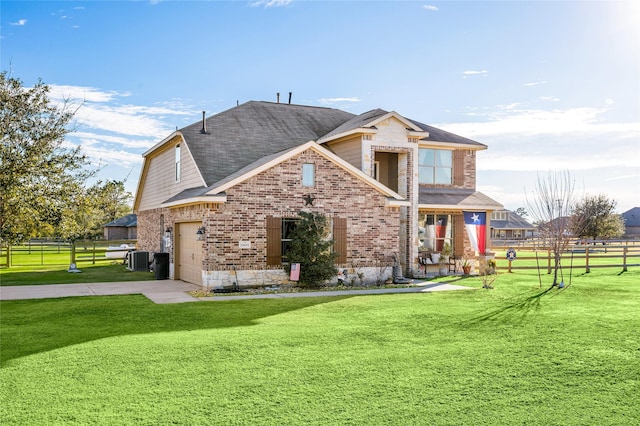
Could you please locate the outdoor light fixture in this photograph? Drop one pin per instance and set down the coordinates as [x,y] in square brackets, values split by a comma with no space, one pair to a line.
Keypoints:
[167,232]
[200,234]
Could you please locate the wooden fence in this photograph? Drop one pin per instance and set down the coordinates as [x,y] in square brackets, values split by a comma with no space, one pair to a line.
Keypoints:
[58,252]
[622,255]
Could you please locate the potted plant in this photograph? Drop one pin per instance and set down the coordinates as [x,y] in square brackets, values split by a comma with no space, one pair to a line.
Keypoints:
[466,266]
[443,265]
[446,251]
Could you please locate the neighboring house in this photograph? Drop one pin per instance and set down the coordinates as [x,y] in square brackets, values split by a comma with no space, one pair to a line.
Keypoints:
[508,225]
[631,223]
[222,195]
[124,228]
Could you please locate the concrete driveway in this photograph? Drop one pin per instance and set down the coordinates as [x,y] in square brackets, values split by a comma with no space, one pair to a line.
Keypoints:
[171,291]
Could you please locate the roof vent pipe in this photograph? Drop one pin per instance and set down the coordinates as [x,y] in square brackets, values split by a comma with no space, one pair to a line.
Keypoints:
[290,93]
[278,97]
[204,123]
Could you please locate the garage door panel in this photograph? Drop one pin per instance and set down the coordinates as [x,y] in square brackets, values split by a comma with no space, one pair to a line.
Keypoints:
[189,253]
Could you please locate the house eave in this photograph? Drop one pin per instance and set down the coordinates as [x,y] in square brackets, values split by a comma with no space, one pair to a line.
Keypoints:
[392,202]
[209,199]
[451,145]
[465,207]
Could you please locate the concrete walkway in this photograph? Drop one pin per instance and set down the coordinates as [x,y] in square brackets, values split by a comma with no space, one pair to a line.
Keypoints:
[160,291]
[171,291]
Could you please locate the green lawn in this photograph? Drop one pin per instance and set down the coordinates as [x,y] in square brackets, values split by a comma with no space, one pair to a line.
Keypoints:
[517,354]
[51,274]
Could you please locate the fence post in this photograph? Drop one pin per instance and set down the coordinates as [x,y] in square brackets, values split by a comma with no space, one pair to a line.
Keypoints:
[41,253]
[94,252]
[548,261]
[624,259]
[586,259]
[8,255]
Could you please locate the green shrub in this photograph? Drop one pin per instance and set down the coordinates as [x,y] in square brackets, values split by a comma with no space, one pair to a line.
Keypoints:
[311,248]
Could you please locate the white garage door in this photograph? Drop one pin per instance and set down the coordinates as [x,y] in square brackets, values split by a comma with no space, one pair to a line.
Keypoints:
[188,253]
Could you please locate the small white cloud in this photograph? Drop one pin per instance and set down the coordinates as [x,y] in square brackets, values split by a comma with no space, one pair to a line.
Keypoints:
[468,73]
[535,83]
[549,98]
[270,3]
[430,7]
[332,101]
[19,23]
[608,101]
[90,94]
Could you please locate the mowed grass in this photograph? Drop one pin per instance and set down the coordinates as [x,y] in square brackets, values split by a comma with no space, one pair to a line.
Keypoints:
[52,274]
[517,354]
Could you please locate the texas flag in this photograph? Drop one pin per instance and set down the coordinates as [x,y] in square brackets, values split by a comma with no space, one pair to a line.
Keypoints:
[476,224]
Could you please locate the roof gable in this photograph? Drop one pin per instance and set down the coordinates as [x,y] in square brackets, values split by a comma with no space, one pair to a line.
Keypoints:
[367,122]
[267,162]
[242,135]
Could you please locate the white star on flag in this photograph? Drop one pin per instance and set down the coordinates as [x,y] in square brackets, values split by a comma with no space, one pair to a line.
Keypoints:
[475,218]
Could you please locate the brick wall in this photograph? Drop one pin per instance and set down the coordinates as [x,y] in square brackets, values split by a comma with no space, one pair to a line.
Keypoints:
[372,228]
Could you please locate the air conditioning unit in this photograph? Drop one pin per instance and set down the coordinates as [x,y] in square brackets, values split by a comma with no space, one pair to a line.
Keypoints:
[138,261]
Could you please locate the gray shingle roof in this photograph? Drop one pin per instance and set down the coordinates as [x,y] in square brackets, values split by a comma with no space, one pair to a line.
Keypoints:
[246,136]
[460,198]
[439,135]
[126,221]
[357,122]
[514,221]
[242,135]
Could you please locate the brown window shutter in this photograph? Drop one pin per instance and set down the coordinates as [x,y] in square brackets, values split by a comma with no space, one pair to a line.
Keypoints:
[274,241]
[458,168]
[340,239]
[458,235]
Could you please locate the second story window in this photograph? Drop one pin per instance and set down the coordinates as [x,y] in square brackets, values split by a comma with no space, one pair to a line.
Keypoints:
[435,166]
[178,163]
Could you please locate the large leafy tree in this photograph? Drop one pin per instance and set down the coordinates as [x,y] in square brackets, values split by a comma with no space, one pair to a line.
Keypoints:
[594,217]
[39,173]
[311,248]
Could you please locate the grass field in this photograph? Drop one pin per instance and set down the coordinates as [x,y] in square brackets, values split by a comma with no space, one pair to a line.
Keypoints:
[517,354]
[52,274]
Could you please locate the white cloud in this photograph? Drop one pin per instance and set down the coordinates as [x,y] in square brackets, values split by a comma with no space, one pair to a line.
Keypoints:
[535,83]
[19,23]
[126,142]
[468,73]
[270,3]
[506,120]
[430,7]
[549,98]
[79,93]
[99,110]
[524,140]
[333,101]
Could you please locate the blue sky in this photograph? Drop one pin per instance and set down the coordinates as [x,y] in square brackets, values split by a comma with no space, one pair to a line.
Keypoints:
[546,85]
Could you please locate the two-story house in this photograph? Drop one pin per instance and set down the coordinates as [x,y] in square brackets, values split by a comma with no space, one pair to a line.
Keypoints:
[222,195]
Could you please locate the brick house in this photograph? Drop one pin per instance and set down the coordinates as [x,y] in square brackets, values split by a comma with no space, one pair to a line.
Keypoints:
[221,194]
[123,228]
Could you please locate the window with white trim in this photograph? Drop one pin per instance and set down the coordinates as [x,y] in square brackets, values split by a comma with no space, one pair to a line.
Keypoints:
[308,174]
[435,166]
[177,162]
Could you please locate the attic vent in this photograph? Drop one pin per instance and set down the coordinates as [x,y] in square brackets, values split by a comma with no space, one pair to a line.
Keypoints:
[204,123]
